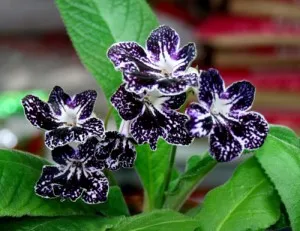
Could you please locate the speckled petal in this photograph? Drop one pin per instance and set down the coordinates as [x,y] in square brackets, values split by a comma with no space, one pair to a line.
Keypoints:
[59,137]
[44,187]
[39,113]
[84,101]
[175,101]
[185,56]
[200,123]
[163,41]
[58,99]
[128,104]
[252,129]
[94,127]
[62,155]
[224,146]
[176,132]
[177,85]
[124,53]
[148,127]
[240,95]
[96,188]
[211,85]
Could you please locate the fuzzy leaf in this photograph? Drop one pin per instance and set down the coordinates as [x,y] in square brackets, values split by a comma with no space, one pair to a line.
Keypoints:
[280,159]
[74,223]
[196,169]
[248,201]
[19,172]
[165,220]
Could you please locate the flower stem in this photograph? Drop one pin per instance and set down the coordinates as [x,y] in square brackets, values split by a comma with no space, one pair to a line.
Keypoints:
[169,171]
[110,110]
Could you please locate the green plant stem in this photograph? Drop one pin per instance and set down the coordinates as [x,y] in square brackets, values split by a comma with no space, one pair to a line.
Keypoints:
[176,200]
[169,171]
[110,110]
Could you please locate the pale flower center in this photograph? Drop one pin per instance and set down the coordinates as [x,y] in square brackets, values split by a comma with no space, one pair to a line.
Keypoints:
[220,106]
[68,116]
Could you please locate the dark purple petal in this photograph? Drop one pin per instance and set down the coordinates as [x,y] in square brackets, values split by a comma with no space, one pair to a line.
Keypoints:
[124,53]
[84,101]
[185,55]
[175,101]
[176,132]
[94,127]
[44,187]
[59,137]
[106,145]
[252,129]
[128,104]
[138,82]
[69,191]
[148,127]
[96,188]
[62,155]
[200,123]
[177,85]
[39,113]
[211,85]
[240,95]
[161,42]
[224,146]
[87,149]
[58,99]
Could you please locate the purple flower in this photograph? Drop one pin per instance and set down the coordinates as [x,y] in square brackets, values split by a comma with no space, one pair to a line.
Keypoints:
[163,65]
[77,174]
[222,114]
[65,118]
[150,117]
[116,151]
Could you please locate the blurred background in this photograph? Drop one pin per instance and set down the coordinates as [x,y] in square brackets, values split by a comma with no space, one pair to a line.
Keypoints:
[255,40]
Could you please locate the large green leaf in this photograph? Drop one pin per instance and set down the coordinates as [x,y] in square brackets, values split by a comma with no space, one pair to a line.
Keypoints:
[152,169]
[19,172]
[165,220]
[197,167]
[280,158]
[248,201]
[95,25]
[74,223]
[286,134]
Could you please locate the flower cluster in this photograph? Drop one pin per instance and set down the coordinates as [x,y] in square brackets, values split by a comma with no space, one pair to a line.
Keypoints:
[156,80]
[79,146]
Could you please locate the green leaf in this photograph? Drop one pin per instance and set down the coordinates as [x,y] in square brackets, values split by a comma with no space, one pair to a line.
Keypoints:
[247,201]
[18,174]
[165,220]
[73,223]
[286,134]
[152,169]
[280,158]
[196,169]
[95,25]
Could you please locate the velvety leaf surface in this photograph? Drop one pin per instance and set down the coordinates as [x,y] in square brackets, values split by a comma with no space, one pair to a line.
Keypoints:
[19,172]
[164,220]
[152,169]
[73,223]
[280,159]
[95,25]
[196,169]
[248,201]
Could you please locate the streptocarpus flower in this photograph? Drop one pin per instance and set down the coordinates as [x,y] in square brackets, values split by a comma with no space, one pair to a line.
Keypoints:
[66,118]
[77,174]
[152,117]
[163,65]
[116,150]
[222,114]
